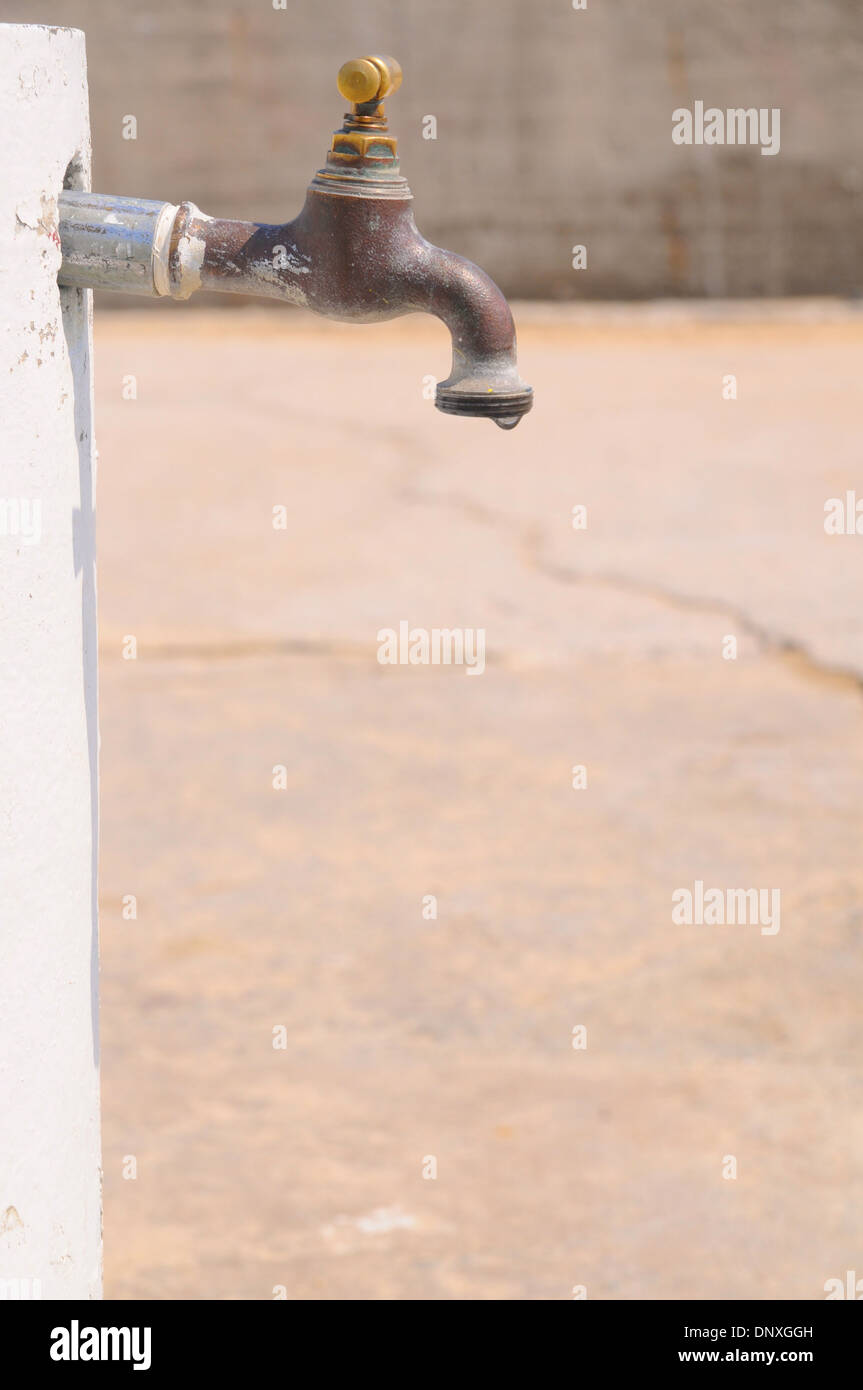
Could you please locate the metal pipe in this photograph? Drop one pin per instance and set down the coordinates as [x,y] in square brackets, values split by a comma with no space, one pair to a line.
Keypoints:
[113,243]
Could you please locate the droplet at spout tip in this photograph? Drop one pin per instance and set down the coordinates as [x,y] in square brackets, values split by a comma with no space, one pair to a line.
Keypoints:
[505,408]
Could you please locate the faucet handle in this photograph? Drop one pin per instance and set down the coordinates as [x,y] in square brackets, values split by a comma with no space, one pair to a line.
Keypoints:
[363,143]
[365,80]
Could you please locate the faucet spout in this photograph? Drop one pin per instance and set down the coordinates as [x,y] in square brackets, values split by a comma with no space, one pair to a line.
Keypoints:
[484,378]
[360,258]
[354,253]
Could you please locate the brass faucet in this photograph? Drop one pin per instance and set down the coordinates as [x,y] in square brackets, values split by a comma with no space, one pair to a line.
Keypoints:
[353,253]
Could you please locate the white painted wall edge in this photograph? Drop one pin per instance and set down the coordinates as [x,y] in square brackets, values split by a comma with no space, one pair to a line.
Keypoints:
[50,1176]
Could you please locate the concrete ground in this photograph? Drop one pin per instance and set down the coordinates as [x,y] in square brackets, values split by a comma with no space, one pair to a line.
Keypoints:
[410,1039]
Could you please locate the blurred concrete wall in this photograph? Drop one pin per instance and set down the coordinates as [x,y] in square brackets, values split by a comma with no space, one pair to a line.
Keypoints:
[554,128]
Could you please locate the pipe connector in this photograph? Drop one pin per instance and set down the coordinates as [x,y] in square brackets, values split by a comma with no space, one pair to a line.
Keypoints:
[130,244]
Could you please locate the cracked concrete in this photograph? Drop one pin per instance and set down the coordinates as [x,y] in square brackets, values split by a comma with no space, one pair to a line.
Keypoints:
[302,908]
[531,545]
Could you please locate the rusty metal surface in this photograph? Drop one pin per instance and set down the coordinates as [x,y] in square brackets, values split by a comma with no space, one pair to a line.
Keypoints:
[354,254]
[359,258]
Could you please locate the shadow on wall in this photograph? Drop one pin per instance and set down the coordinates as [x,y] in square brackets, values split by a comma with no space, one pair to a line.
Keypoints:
[75,312]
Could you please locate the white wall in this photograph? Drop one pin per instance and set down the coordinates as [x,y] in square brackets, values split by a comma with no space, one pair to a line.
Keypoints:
[50,1177]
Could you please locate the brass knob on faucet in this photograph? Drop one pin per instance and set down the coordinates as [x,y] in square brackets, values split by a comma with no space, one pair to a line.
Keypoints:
[362,80]
[363,141]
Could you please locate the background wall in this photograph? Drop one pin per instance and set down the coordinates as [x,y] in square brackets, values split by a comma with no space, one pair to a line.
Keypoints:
[554,128]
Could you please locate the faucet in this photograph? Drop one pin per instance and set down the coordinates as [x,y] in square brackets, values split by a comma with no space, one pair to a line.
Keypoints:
[354,254]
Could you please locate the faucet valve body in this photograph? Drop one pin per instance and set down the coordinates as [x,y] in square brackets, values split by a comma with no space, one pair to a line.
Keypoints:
[354,253]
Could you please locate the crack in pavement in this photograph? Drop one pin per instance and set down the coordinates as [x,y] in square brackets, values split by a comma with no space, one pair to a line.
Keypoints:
[532,541]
